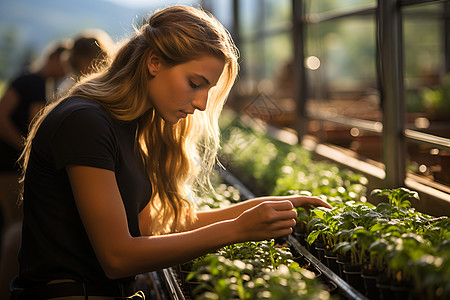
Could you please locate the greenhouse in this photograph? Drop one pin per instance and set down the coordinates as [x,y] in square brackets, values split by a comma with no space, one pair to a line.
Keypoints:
[347,101]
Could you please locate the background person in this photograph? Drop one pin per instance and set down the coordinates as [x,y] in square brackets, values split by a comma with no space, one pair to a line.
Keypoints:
[90,48]
[24,97]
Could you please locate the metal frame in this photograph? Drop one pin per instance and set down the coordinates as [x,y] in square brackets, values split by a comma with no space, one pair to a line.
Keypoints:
[389,42]
[300,88]
[413,2]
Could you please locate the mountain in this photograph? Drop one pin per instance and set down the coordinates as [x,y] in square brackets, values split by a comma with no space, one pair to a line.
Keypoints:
[27,26]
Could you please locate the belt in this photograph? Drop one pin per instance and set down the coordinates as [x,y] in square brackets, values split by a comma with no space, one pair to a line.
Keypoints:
[71,288]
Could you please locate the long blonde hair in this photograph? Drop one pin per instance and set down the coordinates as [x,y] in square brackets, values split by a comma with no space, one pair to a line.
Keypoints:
[178,157]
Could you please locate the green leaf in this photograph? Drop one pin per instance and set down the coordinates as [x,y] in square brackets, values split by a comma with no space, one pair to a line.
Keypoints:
[312,236]
[379,246]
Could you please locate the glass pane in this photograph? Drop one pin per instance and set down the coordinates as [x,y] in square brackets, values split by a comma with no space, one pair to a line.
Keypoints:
[345,50]
[250,14]
[267,38]
[320,6]
[260,17]
[278,51]
[427,82]
[342,81]
[222,10]
[250,58]
[266,55]
[427,86]
[277,14]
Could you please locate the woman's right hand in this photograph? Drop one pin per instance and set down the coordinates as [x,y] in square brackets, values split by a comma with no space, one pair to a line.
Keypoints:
[269,219]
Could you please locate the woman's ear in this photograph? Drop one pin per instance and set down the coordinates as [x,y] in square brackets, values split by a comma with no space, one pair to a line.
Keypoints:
[153,63]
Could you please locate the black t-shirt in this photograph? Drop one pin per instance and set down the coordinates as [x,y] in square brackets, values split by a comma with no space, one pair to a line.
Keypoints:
[30,88]
[55,244]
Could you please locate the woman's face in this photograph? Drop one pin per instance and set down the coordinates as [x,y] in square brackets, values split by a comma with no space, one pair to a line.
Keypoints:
[176,91]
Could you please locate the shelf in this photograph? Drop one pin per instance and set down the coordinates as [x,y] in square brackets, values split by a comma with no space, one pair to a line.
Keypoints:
[344,288]
[172,287]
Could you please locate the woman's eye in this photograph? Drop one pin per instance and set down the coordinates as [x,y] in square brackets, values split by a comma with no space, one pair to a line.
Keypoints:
[193,85]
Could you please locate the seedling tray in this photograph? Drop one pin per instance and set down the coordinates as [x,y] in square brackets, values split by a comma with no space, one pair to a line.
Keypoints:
[343,288]
[173,290]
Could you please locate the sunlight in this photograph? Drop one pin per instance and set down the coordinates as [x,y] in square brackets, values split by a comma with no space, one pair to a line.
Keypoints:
[312,62]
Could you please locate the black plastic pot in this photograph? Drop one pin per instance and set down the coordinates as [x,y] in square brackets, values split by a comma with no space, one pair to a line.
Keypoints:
[311,248]
[301,228]
[401,291]
[185,285]
[342,259]
[301,260]
[321,254]
[353,276]
[332,288]
[300,237]
[193,288]
[320,248]
[370,283]
[331,259]
[384,287]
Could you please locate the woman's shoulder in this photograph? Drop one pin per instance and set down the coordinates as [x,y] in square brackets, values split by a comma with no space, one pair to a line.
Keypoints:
[79,112]
[76,103]
[80,105]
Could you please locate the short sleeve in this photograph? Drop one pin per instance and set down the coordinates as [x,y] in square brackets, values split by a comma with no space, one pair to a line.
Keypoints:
[85,137]
[31,87]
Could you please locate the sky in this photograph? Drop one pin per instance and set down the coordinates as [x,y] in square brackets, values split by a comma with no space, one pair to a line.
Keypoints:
[149,3]
[222,7]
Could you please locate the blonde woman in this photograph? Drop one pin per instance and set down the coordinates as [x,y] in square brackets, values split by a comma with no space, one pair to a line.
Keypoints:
[109,171]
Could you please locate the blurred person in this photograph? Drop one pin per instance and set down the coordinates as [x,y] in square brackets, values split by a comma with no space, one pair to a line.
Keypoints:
[25,96]
[110,170]
[90,48]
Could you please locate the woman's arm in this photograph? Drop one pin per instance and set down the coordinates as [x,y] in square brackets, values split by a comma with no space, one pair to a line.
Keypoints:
[103,215]
[215,215]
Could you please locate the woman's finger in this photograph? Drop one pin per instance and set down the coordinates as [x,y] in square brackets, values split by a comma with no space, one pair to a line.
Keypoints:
[278,210]
[283,224]
[279,205]
[282,232]
[308,201]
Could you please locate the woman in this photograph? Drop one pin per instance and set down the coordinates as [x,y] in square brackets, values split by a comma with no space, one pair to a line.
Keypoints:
[109,171]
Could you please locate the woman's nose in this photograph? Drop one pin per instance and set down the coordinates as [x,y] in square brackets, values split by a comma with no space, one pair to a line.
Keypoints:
[200,100]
